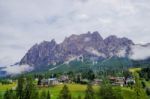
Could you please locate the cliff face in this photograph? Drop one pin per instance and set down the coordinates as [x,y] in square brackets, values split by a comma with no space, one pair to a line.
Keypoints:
[86,45]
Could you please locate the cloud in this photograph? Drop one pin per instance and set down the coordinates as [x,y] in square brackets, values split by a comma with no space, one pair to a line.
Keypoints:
[140,52]
[17,69]
[26,22]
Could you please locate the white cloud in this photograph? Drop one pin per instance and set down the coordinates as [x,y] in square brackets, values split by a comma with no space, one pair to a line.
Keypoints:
[87,39]
[17,69]
[140,52]
[26,22]
[95,52]
[122,52]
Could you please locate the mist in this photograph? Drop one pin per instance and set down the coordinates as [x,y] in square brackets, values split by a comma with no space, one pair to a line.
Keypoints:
[140,52]
[17,69]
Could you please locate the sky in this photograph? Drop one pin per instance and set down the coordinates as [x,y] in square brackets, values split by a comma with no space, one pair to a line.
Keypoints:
[26,22]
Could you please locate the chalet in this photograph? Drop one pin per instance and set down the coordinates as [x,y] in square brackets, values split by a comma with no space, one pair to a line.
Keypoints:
[117,81]
[97,81]
[49,82]
[84,81]
[53,81]
[64,78]
[44,82]
[120,81]
[130,81]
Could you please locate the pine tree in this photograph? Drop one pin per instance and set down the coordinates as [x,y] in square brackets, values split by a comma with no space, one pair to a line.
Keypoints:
[107,92]
[89,93]
[30,91]
[48,95]
[20,87]
[140,93]
[7,95]
[90,75]
[65,93]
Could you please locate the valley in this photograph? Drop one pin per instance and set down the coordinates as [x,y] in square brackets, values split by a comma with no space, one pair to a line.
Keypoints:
[76,87]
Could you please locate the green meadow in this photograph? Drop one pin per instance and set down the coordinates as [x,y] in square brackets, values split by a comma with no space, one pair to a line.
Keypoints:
[75,89]
[3,88]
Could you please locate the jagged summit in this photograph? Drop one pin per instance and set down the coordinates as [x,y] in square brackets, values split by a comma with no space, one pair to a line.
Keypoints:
[86,45]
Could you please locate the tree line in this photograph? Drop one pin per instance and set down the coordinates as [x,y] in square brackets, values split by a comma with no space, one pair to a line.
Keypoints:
[26,89]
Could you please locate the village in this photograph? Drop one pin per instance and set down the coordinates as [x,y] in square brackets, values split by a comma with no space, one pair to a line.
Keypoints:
[64,79]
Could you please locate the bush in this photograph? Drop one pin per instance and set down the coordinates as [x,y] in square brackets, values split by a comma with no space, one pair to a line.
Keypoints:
[148,91]
[143,84]
[65,93]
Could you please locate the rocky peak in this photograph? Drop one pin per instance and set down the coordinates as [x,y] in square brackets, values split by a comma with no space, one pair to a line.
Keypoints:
[88,44]
[114,39]
[96,35]
[127,41]
[110,39]
[115,45]
[79,42]
[53,42]
[91,36]
[46,43]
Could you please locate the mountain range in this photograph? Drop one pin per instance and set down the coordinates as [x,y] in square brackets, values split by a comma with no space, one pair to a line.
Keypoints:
[90,45]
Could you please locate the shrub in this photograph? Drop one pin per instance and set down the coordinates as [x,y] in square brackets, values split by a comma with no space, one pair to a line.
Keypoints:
[148,91]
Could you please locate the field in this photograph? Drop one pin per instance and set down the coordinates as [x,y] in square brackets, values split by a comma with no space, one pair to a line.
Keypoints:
[3,88]
[76,90]
[132,70]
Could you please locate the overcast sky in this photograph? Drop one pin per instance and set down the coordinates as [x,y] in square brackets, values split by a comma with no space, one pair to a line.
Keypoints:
[26,22]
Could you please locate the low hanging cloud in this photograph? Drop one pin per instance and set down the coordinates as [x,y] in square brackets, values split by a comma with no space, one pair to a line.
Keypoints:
[17,69]
[140,52]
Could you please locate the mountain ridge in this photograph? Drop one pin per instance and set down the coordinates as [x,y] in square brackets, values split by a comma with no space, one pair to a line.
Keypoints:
[85,51]
[85,45]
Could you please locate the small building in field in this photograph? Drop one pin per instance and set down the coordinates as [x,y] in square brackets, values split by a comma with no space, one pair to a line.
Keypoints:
[44,82]
[97,81]
[117,81]
[64,79]
[53,81]
[120,81]
[130,81]
[49,82]
[84,81]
